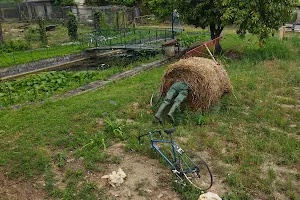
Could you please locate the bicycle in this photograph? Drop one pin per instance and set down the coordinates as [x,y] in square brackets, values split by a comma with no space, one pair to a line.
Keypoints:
[184,164]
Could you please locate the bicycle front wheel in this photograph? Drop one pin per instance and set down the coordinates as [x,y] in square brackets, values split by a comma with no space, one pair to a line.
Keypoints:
[196,171]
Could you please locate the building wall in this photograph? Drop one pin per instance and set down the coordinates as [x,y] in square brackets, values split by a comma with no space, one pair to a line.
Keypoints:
[298,16]
[80,2]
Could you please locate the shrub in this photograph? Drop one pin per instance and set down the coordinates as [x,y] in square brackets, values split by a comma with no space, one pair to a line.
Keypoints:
[14,45]
[32,34]
[42,30]
[100,20]
[72,26]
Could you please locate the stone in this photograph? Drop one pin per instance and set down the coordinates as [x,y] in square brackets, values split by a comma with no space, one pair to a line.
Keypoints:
[209,196]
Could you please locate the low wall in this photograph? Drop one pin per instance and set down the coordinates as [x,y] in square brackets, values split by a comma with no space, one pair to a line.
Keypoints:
[23,68]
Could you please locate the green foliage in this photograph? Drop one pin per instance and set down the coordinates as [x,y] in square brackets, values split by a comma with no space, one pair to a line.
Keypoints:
[187,39]
[113,2]
[72,26]
[40,86]
[161,8]
[44,85]
[293,17]
[64,3]
[32,35]
[42,31]
[20,57]
[30,162]
[258,17]
[100,20]
[272,48]
[113,128]
[61,159]
[14,45]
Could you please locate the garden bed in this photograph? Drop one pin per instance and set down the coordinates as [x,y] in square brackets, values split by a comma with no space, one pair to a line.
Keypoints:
[43,85]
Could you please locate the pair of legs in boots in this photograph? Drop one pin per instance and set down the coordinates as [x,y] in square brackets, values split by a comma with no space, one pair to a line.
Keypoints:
[179,91]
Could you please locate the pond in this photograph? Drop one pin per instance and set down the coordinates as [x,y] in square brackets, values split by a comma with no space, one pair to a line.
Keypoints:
[130,58]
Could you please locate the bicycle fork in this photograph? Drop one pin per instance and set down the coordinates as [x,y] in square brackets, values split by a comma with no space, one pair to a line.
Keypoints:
[178,174]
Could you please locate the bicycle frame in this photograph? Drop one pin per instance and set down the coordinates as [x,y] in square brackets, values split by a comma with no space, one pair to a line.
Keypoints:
[176,151]
[162,154]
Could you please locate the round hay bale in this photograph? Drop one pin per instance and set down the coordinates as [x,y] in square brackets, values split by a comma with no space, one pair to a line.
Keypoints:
[207,81]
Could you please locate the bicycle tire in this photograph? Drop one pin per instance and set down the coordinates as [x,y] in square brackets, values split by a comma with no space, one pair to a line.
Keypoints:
[195,170]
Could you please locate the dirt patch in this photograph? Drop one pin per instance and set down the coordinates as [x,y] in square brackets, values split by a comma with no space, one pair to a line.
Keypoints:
[219,186]
[146,178]
[283,174]
[15,189]
[271,64]
[292,107]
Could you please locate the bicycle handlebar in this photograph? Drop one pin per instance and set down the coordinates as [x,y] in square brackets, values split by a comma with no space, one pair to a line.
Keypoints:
[149,133]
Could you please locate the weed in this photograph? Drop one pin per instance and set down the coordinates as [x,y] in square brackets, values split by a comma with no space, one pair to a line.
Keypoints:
[30,163]
[62,159]
[114,128]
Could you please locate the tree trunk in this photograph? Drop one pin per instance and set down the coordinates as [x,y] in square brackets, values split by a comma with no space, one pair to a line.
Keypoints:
[214,33]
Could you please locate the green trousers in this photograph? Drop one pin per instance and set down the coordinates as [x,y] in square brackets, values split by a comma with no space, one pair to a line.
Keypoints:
[179,91]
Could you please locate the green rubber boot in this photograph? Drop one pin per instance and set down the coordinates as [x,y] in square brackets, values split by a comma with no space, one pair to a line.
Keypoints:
[172,110]
[158,114]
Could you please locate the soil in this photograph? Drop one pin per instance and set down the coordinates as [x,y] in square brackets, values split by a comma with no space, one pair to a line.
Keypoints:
[16,189]
[145,178]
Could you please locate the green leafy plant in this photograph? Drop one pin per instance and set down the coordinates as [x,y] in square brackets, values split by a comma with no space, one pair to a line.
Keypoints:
[62,159]
[42,85]
[113,127]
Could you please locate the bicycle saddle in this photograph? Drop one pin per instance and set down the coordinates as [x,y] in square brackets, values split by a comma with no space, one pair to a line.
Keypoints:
[169,131]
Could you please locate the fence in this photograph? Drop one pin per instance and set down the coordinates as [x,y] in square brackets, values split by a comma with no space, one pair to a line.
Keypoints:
[112,38]
[127,37]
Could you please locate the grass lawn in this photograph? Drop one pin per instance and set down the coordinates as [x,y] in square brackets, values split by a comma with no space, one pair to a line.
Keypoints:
[56,38]
[251,142]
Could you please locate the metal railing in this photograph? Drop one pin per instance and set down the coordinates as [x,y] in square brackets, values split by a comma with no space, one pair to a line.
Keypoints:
[126,37]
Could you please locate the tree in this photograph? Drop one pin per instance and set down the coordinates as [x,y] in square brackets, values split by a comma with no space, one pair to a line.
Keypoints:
[260,17]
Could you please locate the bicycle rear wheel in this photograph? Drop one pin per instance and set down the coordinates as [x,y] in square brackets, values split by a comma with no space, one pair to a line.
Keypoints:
[196,171]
